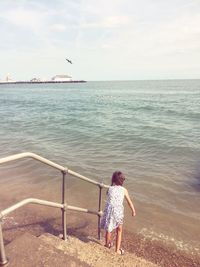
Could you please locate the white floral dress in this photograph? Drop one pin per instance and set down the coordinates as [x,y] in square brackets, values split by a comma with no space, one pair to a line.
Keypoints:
[113,214]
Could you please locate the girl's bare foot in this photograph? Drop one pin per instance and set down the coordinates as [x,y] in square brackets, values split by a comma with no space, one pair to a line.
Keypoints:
[109,245]
[120,251]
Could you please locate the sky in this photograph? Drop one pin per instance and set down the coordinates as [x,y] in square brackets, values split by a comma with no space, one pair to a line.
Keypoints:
[106,39]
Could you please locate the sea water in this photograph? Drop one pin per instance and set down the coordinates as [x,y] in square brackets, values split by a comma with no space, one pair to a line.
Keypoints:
[150,130]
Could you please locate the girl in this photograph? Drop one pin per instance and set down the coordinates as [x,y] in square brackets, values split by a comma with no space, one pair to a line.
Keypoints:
[114,211]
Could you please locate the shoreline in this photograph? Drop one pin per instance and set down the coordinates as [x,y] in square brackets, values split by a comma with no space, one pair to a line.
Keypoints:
[38,221]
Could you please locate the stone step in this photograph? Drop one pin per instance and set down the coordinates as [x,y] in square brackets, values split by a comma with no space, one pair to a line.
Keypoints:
[30,251]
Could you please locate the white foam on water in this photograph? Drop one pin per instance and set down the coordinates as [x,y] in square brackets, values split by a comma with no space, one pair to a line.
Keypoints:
[169,240]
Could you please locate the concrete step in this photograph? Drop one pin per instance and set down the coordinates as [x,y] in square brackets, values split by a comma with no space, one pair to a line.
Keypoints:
[94,253]
[30,251]
[51,251]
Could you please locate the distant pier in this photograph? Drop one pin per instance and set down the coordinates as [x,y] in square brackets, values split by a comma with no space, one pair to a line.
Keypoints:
[40,82]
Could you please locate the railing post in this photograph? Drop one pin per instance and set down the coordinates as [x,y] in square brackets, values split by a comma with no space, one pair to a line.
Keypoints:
[99,210]
[64,209]
[3,259]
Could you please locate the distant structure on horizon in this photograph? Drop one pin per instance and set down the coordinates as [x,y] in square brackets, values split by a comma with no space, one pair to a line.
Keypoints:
[8,79]
[35,80]
[62,78]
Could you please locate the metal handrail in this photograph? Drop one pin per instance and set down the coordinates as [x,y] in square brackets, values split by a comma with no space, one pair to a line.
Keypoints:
[44,203]
[50,163]
[34,156]
[63,205]
[29,201]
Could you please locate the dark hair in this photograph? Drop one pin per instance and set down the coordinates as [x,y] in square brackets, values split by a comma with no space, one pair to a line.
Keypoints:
[118,178]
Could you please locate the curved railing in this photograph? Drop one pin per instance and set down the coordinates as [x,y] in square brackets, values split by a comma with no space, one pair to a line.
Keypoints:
[64,206]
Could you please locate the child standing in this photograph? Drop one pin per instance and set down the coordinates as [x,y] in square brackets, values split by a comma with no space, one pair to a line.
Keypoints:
[114,211]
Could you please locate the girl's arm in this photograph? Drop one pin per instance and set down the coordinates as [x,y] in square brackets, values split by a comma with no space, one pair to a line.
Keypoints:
[130,203]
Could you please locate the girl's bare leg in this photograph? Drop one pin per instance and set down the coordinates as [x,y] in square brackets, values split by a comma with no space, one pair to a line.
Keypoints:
[118,239]
[108,238]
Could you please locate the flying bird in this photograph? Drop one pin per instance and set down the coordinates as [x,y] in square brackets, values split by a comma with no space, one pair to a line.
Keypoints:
[69,61]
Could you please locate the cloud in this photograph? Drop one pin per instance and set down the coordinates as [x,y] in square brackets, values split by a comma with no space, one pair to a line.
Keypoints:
[108,22]
[24,18]
[58,27]
[148,33]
